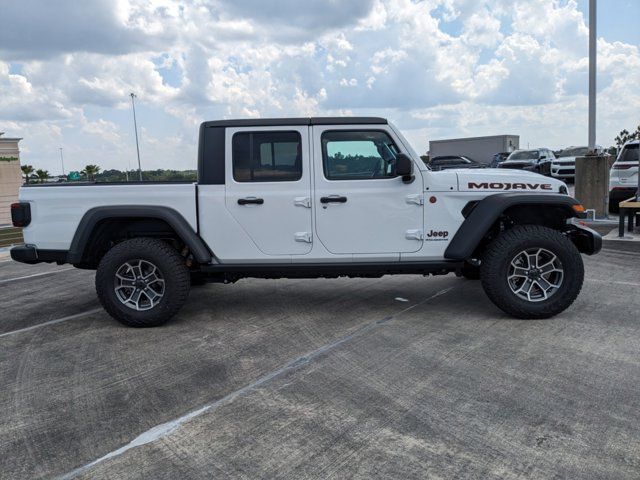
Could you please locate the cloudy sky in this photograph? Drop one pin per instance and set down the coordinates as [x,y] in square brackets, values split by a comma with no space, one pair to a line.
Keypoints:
[437,68]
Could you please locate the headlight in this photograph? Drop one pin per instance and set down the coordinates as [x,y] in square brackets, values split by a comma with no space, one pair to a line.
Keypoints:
[563,190]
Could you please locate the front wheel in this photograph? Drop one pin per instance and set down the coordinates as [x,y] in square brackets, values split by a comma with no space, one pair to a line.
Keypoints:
[532,272]
[142,282]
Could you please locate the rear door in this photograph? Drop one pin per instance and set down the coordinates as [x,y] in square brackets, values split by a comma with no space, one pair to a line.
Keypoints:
[362,207]
[268,187]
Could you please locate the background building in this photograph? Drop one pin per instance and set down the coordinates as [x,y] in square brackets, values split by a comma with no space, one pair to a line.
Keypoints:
[10,176]
[480,149]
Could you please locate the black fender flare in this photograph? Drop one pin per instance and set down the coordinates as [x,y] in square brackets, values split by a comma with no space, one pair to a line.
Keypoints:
[488,210]
[175,220]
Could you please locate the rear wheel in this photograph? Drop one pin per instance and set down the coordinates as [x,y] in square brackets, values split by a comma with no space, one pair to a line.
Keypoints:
[142,282]
[532,272]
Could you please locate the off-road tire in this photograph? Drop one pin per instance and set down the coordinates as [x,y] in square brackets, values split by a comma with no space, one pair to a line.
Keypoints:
[500,253]
[172,267]
[470,272]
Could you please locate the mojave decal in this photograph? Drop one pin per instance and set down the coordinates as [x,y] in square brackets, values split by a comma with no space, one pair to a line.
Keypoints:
[509,186]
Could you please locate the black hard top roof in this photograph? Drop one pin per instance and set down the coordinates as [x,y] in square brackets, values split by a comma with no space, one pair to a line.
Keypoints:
[276,122]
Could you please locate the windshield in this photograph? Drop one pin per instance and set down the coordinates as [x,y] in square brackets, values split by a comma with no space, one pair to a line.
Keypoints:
[629,153]
[524,155]
[574,152]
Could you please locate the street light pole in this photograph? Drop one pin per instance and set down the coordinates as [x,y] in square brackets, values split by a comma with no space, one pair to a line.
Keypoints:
[62,161]
[135,126]
[593,47]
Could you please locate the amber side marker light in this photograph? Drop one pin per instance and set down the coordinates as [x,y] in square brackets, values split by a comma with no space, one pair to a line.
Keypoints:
[578,208]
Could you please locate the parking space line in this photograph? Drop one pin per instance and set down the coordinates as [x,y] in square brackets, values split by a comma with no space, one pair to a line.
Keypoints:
[614,282]
[164,429]
[620,252]
[51,322]
[36,275]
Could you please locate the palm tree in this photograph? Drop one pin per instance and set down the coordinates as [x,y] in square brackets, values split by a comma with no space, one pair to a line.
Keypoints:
[91,171]
[26,170]
[42,175]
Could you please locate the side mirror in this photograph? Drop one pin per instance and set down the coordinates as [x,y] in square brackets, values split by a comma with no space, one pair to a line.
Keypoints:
[404,167]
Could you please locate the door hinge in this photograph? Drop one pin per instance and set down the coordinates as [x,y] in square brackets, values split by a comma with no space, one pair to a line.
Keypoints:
[304,237]
[414,235]
[302,202]
[418,199]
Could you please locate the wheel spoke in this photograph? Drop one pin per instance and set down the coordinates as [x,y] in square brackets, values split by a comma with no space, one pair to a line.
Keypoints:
[518,272]
[543,292]
[544,284]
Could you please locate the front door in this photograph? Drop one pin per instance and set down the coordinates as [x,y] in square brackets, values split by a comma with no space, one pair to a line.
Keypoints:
[362,207]
[268,187]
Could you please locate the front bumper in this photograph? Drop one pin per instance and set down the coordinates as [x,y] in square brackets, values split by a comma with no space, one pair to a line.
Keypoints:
[561,171]
[622,193]
[586,240]
[31,255]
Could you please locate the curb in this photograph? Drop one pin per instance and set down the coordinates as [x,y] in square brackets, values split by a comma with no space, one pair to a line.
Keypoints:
[609,231]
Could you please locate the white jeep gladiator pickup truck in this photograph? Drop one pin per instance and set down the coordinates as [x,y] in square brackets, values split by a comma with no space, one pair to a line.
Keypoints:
[311,197]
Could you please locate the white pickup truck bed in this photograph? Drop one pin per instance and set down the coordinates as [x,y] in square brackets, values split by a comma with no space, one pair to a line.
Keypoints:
[55,217]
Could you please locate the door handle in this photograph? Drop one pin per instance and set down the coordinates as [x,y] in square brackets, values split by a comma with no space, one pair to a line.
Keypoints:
[333,199]
[250,200]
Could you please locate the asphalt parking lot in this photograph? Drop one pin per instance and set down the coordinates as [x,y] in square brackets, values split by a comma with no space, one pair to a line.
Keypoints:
[398,377]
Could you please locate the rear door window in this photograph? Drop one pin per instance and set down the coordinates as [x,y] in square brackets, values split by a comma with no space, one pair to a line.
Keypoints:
[267,156]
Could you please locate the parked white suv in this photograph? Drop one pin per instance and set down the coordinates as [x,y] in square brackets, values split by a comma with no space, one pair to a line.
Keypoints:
[564,165]
[623,178]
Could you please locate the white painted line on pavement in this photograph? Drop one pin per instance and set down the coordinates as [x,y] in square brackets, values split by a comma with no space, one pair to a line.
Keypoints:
[51,322]
[35,275]
[620,252]
[614,282]
[164,429]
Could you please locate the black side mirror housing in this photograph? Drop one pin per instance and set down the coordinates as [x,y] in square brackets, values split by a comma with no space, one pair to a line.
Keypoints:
[404,167]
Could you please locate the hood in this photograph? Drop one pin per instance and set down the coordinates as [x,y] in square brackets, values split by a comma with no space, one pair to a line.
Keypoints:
[524,161]
[494,179]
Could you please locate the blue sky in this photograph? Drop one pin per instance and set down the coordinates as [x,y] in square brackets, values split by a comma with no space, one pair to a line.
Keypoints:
[436,68]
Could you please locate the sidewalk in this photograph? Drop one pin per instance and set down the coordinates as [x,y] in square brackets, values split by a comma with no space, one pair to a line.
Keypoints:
[608,228]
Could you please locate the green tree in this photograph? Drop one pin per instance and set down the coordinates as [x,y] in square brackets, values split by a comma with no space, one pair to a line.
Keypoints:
[91,171]
[42,175]
[27,170]
[624,136]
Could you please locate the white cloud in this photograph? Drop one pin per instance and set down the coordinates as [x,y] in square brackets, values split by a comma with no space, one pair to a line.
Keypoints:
[513,66]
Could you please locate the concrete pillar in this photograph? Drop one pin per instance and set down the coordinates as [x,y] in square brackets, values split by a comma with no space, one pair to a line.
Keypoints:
[10,176]
[592,182]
